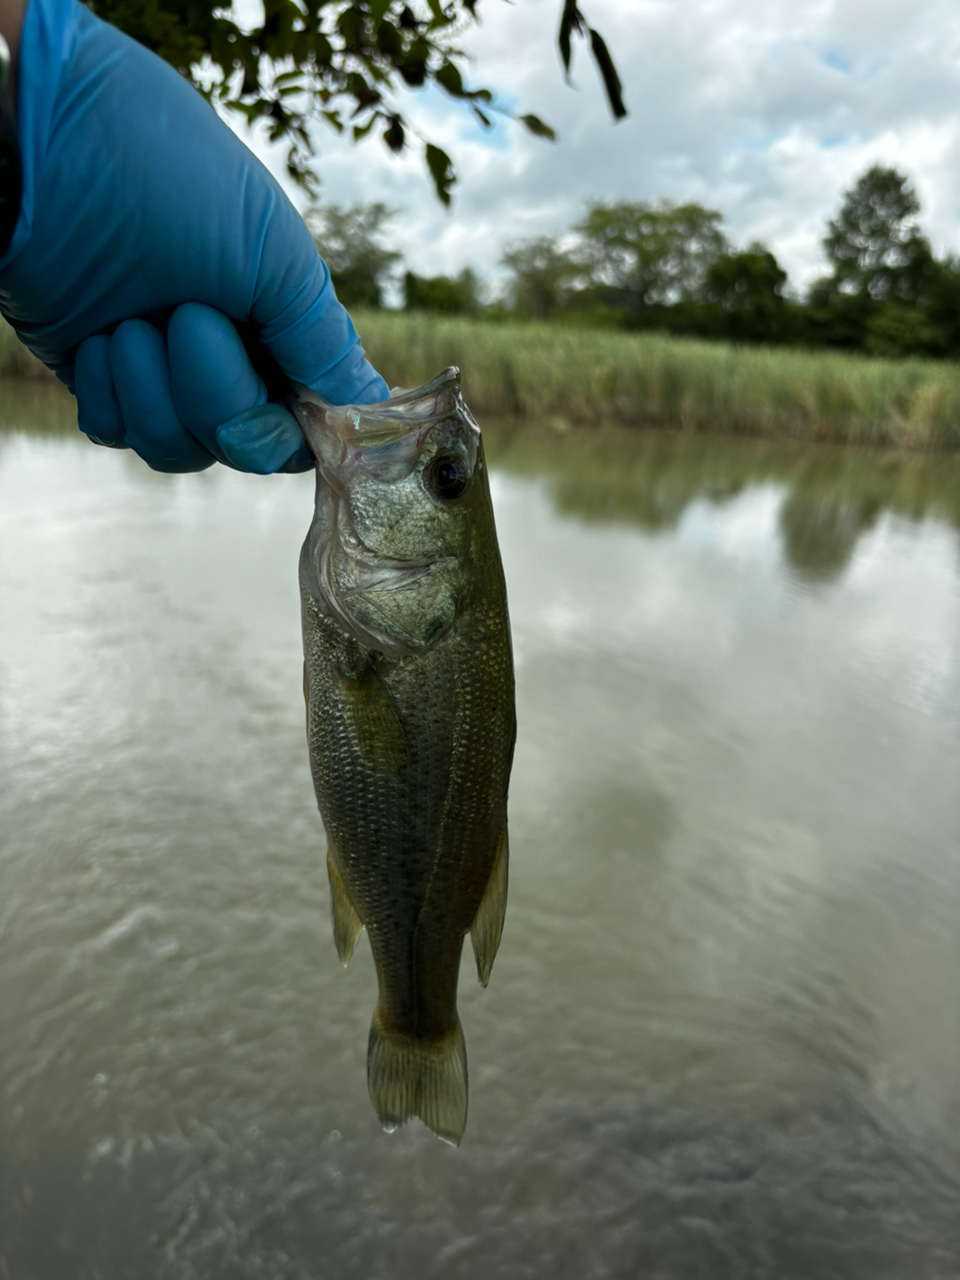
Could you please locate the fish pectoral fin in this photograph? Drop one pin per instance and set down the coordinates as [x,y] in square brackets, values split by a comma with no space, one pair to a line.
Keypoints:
[408,1077]
[374,718]
[487,927]
[347,925]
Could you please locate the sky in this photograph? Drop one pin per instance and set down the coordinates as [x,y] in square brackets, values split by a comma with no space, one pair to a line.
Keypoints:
[767,110]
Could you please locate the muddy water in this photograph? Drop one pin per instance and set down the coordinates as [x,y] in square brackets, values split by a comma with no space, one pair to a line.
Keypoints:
[722,1038]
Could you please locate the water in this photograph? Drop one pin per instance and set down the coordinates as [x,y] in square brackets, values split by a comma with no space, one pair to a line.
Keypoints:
[722,1038]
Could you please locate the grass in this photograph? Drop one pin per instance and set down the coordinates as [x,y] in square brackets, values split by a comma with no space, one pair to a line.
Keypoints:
[15,360]
[560,376]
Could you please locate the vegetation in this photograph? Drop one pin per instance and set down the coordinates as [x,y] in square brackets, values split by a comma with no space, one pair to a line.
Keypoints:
[671,269]
[560,375]
[570,374]
[667,267]
[349,241]
[341,61]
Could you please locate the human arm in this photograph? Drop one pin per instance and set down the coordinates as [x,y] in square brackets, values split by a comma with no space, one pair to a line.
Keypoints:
[138,199]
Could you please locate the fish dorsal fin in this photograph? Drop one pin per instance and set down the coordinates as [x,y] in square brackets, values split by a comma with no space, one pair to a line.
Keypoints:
[487,924]
[347,925]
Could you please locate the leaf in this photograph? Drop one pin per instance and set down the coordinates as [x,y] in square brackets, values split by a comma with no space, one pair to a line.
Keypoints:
[394,135]
[333,118]
[537,127]
[360,131]
[611,81]
[378,9]
[570,21]
[440,19]
[414,71]
[441,170]
[350,26]
[482,117]
[449,78]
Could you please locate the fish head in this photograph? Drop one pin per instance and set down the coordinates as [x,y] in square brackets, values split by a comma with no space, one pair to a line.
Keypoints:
[398,484]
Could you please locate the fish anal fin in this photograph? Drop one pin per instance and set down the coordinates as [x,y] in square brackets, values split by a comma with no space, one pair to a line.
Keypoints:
[487,927]
[347,925]
[426,1078]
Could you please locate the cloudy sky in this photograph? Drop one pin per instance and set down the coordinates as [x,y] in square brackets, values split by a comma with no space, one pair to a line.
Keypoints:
[765,110]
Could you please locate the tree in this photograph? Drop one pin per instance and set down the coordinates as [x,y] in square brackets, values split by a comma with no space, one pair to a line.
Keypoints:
[747,289]
[541,276]
[941,307]
[896,330]
[349,241]
[647,255]
[442,294]
[875,245]
[341,60]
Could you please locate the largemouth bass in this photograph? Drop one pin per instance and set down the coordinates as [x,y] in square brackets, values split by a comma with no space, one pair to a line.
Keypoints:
[408,679]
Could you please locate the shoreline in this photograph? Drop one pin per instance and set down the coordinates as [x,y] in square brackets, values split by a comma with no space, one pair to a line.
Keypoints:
[564,377]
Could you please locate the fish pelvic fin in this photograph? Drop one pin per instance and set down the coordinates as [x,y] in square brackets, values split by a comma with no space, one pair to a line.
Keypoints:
[347,925]
[487,927]
[425,1078]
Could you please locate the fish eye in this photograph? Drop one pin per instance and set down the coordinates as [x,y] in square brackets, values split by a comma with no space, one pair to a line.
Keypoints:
[447,476]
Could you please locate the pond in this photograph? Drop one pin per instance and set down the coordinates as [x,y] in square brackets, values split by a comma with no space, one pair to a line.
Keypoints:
[722,1037]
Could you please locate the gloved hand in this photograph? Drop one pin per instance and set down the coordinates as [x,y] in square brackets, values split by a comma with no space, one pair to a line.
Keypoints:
[138,199]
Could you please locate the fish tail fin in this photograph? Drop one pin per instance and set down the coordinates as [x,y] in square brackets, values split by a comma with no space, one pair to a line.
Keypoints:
[425,1078]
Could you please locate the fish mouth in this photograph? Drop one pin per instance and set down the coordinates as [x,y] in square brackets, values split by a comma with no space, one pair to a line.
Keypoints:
[329,427]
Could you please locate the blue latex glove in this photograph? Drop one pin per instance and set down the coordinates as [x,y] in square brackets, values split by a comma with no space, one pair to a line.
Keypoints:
[138,199]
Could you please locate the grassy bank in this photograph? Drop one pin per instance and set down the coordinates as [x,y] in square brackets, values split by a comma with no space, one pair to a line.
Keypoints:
[558,376]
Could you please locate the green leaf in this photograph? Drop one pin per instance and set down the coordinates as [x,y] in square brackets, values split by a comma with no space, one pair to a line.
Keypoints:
[570,21]
[378,9]
[360,131]
[611,81]
[350,26]
[482,117]
[449,78]
[441,170]
[537,126]
[440,19]
[394,135]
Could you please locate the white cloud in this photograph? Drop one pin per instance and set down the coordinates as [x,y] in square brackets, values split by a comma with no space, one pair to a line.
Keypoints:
[765,112]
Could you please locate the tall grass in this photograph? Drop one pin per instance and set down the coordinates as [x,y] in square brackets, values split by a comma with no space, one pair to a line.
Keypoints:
[560,375]
[564,375]
[15,360]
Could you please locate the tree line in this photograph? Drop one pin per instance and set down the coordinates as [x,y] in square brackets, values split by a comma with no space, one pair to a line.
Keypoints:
[671,267]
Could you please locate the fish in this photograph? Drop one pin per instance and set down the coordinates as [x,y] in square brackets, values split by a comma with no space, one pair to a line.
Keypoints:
[411,721]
